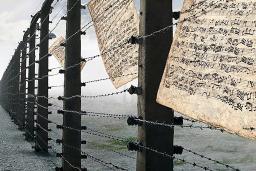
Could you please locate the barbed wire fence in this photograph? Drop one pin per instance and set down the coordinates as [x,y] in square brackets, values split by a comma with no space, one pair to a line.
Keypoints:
[38,114]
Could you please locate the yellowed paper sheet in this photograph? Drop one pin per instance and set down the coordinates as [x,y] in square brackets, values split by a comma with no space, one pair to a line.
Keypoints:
[58,51]
[211,70]
[115,21]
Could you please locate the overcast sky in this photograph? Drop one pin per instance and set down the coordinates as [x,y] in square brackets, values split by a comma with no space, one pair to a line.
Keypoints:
[15,18]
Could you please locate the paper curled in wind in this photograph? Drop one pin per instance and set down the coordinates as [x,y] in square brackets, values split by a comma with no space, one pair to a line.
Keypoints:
[211,69]
[58,51]
[115,21]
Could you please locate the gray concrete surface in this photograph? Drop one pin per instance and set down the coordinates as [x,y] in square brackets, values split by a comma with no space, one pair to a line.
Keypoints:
[16,154]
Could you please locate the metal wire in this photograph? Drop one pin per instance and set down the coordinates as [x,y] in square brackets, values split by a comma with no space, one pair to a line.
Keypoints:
[250,129]
[121,139]
[210,159]
[55,123]
[103,162]
[104,135]
[55,16]
[54,151]
[107,164]
[155,123]
[54,5]
[87,59]
[104,79]
[174,157]
[98,114]
[11,79]
[96,96]
[55,68]
[44,97]
[106,115]
[172,25]
[98,133]
[56,86]
[78,31]
[56,25]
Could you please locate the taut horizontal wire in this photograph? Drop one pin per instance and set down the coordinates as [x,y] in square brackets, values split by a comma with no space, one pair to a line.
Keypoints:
[210,159]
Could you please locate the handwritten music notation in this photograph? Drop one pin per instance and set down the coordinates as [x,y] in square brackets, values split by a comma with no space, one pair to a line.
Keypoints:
[115,22]
[212,60]
[58,51]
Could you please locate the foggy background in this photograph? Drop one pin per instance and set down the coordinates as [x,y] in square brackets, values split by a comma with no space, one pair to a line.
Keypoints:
[231,149]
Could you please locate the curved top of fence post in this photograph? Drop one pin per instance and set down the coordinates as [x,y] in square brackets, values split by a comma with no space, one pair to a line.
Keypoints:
[25,36]
[35,18]
[47,5]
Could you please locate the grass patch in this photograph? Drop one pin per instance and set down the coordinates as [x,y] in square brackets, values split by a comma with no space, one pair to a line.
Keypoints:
[113,144]
[178,162]
[123,143]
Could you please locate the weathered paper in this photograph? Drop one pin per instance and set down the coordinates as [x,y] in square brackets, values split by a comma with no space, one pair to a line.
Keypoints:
[58,51]
[211,70]
[115,21]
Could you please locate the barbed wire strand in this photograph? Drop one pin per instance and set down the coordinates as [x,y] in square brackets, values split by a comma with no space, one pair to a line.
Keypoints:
[54,151]
[210,159]
[95,96]
[99,114]
[107,164]
[121,139]
[174,157]
[54,5]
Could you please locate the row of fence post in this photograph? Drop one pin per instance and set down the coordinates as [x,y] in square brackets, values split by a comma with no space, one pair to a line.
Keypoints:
[21,104]
[18,95]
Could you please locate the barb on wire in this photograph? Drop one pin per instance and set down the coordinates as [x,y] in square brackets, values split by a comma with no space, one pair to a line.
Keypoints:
[39,126]
[56,86]
[104,135]
[43,97]
[36,103]
[210,127]
[79,31]
[213,160]
[97,114]
[173,157]
[55,152]
[11,79]
[107,164]
[116,152]
[155,123]
[55,123]
[56,14]
[43,20]
[55,68]
[87,59]
[40,78]
[46,36]
[32,144]
[107,78]
[46,76]
[106,115]
[104,163]
[250,129]
[203,127]
[96,96]
[163,30]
